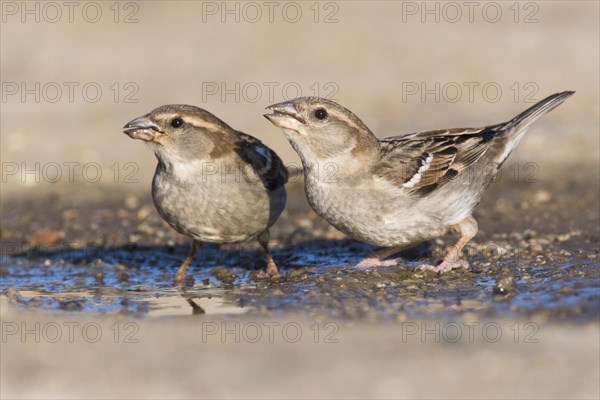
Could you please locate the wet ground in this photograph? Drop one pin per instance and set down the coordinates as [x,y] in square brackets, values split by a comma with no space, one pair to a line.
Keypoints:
[86,276]
[93,251]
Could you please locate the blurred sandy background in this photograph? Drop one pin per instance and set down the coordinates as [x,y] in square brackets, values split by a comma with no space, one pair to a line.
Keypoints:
[376,58]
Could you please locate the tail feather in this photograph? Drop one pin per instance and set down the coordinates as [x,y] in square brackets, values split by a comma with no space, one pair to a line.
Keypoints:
[528,116]
[513,130]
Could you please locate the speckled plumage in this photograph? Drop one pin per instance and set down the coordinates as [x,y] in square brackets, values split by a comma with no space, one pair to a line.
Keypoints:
[212,183]
[398,191]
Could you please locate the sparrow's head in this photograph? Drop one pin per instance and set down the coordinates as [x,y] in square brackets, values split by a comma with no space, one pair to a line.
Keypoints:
[180,132]
[321,129]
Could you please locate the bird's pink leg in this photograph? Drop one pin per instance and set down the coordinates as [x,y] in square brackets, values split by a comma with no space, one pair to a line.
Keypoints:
[180,275]
[468,229]
[378,258]
[271,270]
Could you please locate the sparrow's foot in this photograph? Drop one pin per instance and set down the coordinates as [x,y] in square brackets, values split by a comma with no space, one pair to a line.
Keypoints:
[271,271]
[378,258]
[371,262]
[266,275]
[445,266]
[467,228]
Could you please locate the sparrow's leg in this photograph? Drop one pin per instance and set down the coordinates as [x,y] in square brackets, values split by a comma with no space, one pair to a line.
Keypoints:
[377,259]
[467,229]
[271,269]
[180,275]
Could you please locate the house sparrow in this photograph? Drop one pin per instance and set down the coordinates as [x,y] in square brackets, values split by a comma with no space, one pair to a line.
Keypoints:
[398,191]
[212,183]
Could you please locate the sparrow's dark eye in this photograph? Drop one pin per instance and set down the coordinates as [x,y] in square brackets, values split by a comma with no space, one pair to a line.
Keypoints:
[321,113]
[176,122]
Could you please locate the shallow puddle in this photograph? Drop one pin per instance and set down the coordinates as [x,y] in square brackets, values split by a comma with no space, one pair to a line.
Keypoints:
[318,280]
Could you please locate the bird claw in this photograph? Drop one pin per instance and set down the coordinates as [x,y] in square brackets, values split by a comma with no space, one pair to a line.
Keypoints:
[266,274]
[445,266]
[270,272]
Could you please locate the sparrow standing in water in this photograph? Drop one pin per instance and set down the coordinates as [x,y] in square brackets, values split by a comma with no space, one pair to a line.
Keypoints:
[212,183]
[398,191]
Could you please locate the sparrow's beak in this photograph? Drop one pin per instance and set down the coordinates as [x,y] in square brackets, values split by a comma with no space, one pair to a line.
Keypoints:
[142,128]
[285,116]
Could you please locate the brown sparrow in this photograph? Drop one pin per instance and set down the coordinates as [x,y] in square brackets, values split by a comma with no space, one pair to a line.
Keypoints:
[398,191]
[212,183]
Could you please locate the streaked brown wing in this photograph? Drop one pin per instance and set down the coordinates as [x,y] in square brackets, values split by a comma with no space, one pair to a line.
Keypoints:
[422,162]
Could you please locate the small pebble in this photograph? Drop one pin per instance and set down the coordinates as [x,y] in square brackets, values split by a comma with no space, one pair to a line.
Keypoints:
[541,197]
[124,276]
[70,305]
[304,223]
[505,287]
[143,213]
[223,274]
[45,237]
[145,229]
[132,202]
